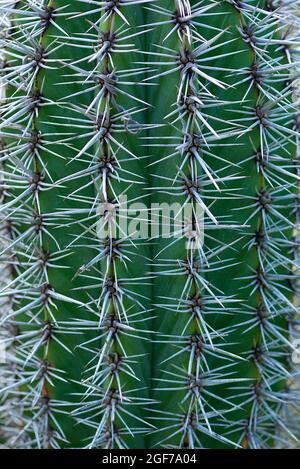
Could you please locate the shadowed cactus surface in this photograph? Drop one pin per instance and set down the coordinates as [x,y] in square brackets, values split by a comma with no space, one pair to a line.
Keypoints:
[149,198]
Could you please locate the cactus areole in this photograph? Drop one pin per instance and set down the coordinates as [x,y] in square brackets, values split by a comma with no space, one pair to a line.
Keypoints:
[149,203]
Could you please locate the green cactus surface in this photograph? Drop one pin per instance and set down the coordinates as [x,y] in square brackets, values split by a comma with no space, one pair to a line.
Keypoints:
[149,205]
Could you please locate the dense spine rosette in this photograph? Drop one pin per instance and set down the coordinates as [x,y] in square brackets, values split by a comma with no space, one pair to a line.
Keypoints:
[121,333]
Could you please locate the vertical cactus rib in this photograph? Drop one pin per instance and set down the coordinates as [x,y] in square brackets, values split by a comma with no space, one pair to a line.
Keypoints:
[192,377]
[10,409]
[114,380]
[291,415]
[270,206]
[28,51]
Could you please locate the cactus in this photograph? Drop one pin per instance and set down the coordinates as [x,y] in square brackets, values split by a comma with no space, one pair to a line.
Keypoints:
[116,113]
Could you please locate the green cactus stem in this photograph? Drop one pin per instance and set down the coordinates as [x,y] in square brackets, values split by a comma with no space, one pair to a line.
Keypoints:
[149,207]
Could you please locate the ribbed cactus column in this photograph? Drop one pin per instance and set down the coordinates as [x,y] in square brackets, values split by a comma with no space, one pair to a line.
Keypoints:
[190,376]
[117,112]
[116,382]
[32,159]
[231,149]
[78,140]
[270,208]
